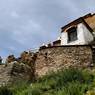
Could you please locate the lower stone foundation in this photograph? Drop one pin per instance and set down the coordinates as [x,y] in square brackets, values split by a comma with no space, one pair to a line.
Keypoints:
[60,57]
[46,60]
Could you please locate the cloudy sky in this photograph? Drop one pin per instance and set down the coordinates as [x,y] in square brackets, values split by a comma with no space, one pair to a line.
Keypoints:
[27,24]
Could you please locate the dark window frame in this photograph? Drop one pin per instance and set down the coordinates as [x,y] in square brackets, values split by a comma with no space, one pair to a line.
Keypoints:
[72,34]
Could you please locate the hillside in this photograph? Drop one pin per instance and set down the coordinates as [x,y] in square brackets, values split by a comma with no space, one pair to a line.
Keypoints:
[67,82]
[57,70]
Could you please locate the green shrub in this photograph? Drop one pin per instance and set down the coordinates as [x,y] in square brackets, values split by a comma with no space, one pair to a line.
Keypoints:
[68,75]
[4,90]
[71,89]
[88,77]
[30,91]
[66,82]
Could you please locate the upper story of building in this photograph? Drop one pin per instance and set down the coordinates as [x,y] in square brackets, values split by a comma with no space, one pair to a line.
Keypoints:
[78,32]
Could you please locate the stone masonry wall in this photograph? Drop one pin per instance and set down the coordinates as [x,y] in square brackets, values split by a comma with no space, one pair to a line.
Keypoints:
[14,72]
[46,60]
[60,57]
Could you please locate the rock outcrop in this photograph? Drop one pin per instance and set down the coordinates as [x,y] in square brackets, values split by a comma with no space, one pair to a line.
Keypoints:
[14,72]
[10,59]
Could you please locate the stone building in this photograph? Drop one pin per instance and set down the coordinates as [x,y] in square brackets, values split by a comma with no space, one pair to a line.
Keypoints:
[79,32]
[75,47]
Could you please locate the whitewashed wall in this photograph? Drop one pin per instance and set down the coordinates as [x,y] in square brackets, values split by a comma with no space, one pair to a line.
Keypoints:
[83,34]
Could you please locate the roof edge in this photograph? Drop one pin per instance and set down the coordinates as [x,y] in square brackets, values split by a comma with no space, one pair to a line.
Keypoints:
[77,21]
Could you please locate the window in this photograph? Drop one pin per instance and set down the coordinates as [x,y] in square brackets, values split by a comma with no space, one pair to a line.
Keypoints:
[72,34]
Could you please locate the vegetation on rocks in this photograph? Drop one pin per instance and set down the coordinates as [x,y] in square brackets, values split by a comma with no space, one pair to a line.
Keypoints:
[66,82]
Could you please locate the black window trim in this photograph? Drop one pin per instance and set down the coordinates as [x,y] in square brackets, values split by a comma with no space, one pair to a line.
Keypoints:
[68,32]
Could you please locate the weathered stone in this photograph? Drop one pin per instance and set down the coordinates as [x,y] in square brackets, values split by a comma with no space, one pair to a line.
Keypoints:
[28,58]
[10,59]
[56,58]
[15,72]
[31,65]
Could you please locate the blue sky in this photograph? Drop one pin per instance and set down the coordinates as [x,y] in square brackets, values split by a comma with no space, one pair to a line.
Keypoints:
[27,24]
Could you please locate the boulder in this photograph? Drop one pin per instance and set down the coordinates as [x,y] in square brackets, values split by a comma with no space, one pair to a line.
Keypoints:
[10,59]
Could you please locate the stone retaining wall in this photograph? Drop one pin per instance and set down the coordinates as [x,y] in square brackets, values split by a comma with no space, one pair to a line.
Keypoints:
[46,60]
[60,57]
[14,72]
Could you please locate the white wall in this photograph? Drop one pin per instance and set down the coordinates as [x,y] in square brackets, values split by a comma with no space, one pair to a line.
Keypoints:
[83,34]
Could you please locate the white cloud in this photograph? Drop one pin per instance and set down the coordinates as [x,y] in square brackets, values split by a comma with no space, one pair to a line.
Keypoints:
[14,14]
